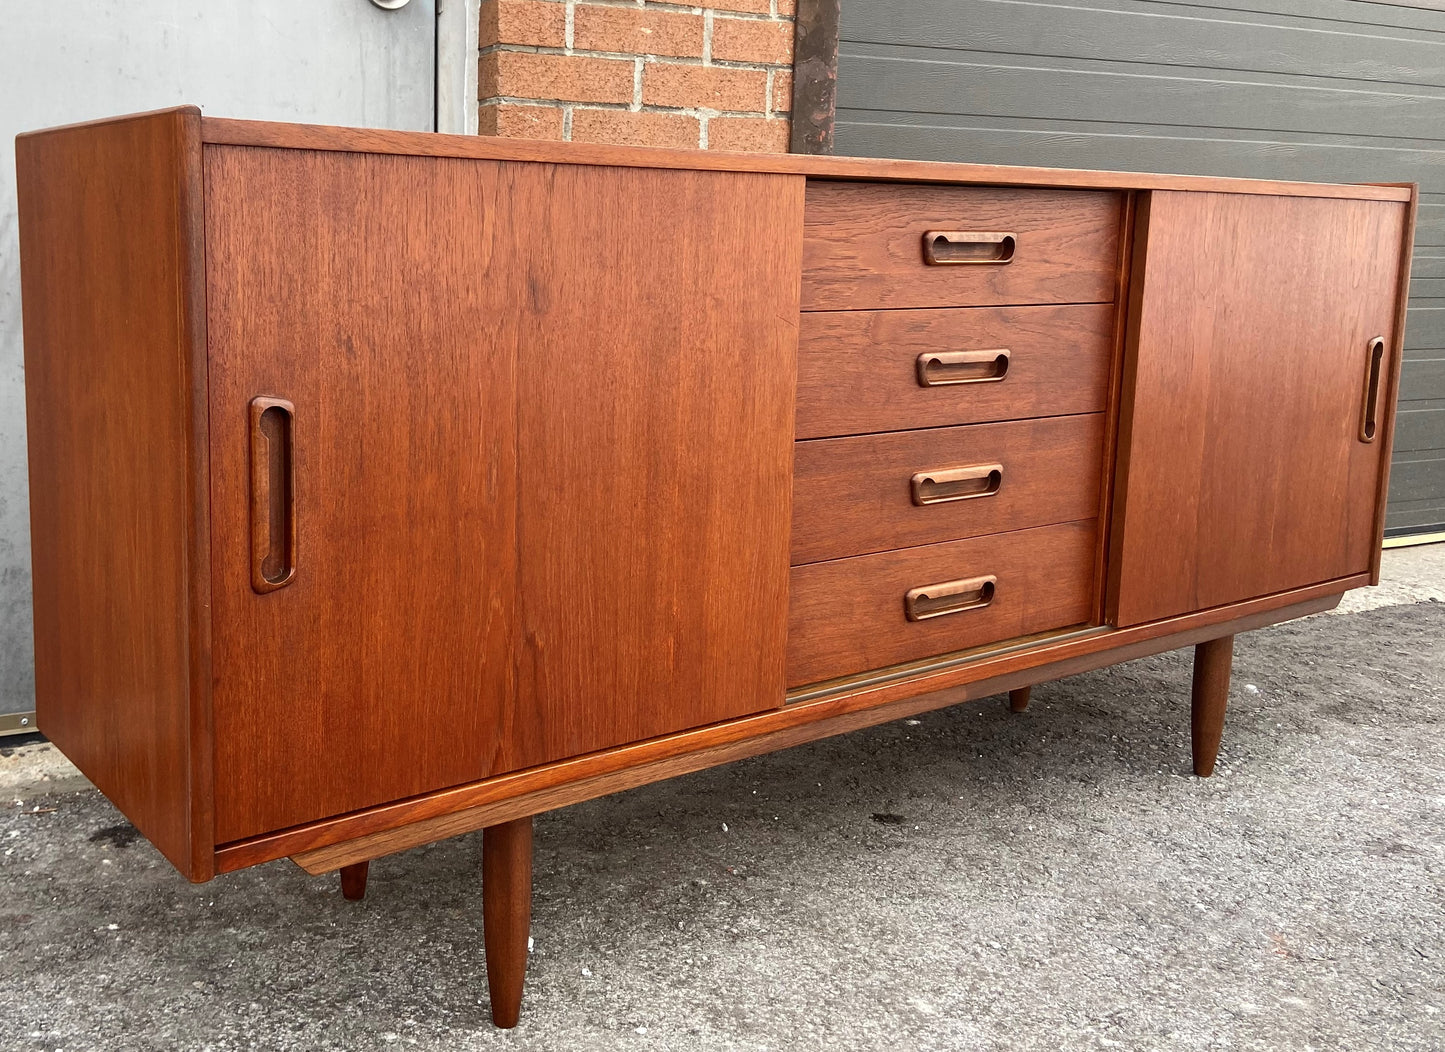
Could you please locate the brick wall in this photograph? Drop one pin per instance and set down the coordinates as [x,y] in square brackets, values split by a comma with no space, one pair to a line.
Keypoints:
[715,75]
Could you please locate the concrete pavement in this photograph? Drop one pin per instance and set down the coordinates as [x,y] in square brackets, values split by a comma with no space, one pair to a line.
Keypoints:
[973,879]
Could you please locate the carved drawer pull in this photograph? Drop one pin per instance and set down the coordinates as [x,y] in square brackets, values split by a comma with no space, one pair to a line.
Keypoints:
[273,494]
[1368,424]
[941,368]
[950,597]
[940,487]
[950,247]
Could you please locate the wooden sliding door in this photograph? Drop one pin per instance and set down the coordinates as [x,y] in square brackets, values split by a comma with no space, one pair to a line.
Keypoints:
[1262,339]
[518,487]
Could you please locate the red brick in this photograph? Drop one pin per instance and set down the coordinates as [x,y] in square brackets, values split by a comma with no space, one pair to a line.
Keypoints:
[752,40]
[782,91]
[520,122]
[752,7]
[748,134]
[788,7]
[532,22]
[713,87]
[571,78]
[627,128]
[636,31]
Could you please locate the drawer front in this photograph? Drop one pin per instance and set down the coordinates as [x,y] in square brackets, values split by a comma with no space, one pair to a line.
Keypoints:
[865,371]
[873,493]
[849,615]
[868,245]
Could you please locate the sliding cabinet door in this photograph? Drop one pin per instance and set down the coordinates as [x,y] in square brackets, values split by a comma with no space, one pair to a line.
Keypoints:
[1258,394]
[517,483]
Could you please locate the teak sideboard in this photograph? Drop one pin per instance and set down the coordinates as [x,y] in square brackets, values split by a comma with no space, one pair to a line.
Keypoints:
[389,486]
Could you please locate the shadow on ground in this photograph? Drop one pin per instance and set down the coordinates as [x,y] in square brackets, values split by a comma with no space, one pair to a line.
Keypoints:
[970,880]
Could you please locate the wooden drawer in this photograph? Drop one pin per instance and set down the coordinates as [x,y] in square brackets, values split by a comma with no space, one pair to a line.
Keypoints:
[848,616]
[858,371]
[865,246]
[853,496]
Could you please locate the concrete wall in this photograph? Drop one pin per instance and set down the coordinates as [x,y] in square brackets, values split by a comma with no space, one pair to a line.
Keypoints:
[330,61]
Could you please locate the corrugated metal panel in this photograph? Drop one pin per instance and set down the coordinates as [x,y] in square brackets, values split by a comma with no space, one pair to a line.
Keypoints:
[1336,90]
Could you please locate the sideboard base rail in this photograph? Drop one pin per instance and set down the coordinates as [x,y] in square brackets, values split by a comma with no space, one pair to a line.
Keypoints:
[325,846]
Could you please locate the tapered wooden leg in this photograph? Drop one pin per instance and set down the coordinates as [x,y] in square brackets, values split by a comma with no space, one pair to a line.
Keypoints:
[353,881]
[506,914]
[1018,700]
[1211,694]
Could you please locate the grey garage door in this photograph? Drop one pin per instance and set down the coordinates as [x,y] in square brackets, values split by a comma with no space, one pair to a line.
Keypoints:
[1336,90]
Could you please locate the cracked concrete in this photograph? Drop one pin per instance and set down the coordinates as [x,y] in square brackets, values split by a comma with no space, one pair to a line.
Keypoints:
[973,879]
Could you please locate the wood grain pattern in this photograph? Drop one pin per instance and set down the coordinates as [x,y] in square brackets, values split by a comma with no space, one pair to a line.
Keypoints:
[545,502]
[858,373]
[847,615]
[507,914]
[1396,357]
[522,463]
[115,375]
[1242,471]
[353,881]
[1124,422]
[863,246]
[384,668]
[1209,696]
[325,846]
[851,496]
[656,448]
[273,483]
[426,144]
[1119,333]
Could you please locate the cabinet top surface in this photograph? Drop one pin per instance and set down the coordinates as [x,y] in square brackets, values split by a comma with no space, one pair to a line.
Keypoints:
[223,131]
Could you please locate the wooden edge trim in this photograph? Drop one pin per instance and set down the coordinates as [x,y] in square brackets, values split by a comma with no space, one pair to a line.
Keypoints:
[223,132]
[1392,392]
[191,298]
[1128,320]
[947,671]
[1123,282]
[182,830]
[185,111]
[374,845]
[583,777]
[815,76]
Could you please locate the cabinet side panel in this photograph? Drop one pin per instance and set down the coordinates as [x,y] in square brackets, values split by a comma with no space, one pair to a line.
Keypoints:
[1250,346]
[114,355]
[1392,390]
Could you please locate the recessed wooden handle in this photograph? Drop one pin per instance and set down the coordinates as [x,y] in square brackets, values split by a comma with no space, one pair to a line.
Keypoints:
[940,487]
[950,597]
[273,498]
[941,368]
[948,247]
[1369,421]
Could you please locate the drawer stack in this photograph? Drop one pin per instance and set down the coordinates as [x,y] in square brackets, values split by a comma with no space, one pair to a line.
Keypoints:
[953,368]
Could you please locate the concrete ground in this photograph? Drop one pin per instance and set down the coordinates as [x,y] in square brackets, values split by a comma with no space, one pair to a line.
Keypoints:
[973,879]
